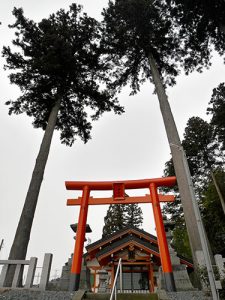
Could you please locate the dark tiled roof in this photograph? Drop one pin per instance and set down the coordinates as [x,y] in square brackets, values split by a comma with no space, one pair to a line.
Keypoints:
[128,238]
[120,232]
[121,242]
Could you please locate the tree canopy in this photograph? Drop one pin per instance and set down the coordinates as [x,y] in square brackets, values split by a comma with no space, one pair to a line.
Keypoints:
[132,31]
[119,216]
[217,111]
[201,28]
[134,215]
[202,149]
[114,219]
[59,57]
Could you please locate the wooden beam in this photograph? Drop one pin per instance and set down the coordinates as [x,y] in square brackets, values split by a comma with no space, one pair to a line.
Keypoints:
[127,200]
[128,184]
[131,263]
[125,245]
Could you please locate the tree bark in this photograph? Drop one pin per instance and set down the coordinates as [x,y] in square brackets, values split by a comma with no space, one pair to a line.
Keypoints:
[22,236]
[218,191]
[179,158]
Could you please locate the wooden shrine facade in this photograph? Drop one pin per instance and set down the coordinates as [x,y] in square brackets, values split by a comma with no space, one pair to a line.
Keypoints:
[140,259]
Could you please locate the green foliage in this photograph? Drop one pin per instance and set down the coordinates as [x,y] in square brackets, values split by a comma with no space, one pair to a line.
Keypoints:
[217,110]
[202,150]
[133,215]
[121,215]
[59,58]
[203,154]
[213,215]
[132,31]
[180,240]
[201,27]
[114,219]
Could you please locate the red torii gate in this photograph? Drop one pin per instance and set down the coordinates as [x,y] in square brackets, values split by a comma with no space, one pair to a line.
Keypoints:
[119,197]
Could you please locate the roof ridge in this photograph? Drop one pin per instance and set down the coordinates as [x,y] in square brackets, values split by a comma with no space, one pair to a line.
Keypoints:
[120,232]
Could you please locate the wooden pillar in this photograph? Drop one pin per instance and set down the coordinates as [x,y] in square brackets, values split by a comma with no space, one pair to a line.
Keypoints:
[95,281]
[112,275]
[162,242]
[79,243]
[151,278]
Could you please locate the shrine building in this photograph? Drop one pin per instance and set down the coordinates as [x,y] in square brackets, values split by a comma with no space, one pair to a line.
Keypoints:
[140,260]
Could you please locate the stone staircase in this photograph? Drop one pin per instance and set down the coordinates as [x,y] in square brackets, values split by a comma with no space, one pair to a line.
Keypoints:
[125,296]
[189,295]
[7,294]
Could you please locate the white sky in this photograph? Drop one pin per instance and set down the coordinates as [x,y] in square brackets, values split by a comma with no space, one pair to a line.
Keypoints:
[131,146]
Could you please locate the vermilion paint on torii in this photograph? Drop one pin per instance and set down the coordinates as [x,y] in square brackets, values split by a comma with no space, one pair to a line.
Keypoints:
[120,197]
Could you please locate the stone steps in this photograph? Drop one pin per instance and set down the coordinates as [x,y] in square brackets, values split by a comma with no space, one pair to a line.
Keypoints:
[125,296]
[7,294]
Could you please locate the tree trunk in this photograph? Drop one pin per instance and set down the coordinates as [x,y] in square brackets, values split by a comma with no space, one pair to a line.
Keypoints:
[181,168]
[218,191]
[22,236]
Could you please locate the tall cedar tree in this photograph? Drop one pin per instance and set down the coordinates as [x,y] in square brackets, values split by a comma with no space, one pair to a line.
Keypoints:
[59,71]
[201,25]
[120,216]
[141,44]
[204,155]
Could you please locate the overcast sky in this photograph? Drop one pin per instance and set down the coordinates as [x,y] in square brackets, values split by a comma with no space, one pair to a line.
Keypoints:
[131,146]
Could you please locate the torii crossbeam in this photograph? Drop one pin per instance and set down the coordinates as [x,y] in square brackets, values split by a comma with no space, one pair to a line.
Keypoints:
[120,197]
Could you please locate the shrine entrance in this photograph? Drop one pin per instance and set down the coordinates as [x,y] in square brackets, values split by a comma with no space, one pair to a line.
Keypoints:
[133,279]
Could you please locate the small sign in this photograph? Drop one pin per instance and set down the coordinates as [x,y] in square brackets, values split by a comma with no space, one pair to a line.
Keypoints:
[118,191]
[218,285]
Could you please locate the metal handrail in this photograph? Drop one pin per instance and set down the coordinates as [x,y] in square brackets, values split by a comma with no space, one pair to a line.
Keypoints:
[114,289]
